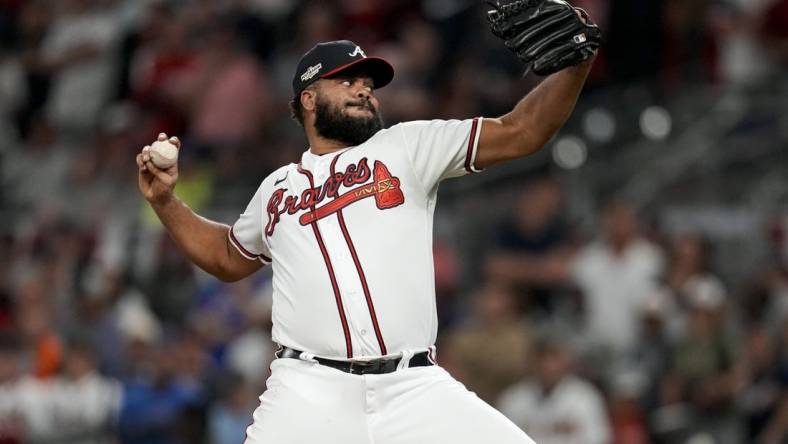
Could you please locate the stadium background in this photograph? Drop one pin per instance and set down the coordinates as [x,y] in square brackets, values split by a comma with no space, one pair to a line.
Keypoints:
[639,259]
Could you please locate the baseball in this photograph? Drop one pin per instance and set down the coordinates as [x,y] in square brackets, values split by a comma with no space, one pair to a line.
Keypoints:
[163,154]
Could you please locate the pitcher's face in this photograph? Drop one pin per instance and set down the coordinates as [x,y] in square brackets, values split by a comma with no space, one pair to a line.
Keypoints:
[346,109]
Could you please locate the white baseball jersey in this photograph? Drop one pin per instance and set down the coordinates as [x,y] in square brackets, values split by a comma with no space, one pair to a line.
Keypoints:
[349,235]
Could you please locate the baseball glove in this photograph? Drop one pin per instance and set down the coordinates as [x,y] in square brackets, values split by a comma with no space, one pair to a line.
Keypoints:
[547,35]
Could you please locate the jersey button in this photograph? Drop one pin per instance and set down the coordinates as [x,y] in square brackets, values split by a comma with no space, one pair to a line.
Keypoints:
[363,332]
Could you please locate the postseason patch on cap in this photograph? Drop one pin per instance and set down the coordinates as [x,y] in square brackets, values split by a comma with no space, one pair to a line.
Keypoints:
[311,72]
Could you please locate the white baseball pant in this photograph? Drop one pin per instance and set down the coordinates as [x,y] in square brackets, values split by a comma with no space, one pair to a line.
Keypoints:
[306,402]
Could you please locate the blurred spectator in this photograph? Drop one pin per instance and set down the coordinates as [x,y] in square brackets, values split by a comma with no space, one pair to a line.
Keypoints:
[6,310]
[763,386]
[531,247]
[228,419]
[117,316]
[776,431]
[649,357]
[702,368]
[462,91]
[36,321]
[689,271]
[689,258]
[11,426]
[556,406]
[192,363]
[219,311]
[408,97]
[247,348]
[775,30]
[703,351]
[33,21]
[13,91]
[162,59]
[53,418]
[628,418]
[34,172]
[78,52]
[743,60]
[251,353]
[172,285]
[766,298]
[224,95]
[690,49]
[615,273]
[492,347]
[43,411]
[156,398]
[447,282]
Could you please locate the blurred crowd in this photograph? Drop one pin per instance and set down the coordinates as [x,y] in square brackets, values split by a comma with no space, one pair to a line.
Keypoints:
[621,333]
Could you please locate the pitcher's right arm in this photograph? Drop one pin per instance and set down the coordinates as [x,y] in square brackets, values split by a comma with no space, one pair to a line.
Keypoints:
[207,243]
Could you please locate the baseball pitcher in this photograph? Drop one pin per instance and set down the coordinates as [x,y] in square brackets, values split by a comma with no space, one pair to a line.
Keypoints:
[348,232]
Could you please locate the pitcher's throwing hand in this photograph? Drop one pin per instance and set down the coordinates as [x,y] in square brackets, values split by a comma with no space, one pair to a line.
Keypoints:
[156,184]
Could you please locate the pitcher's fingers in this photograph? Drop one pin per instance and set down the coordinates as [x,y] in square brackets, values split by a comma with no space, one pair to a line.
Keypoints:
[175,141]
[161,175]
[162,137]
[146,153]
[140,163]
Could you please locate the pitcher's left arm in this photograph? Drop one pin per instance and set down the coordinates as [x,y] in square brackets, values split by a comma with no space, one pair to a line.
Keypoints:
[552,38]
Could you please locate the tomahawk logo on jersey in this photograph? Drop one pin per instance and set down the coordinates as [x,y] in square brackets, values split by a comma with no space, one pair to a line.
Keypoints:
[350,237]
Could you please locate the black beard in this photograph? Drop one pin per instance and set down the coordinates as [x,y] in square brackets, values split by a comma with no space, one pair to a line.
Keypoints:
[333,123]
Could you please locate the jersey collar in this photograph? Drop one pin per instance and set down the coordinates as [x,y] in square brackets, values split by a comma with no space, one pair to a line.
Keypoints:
[310,160]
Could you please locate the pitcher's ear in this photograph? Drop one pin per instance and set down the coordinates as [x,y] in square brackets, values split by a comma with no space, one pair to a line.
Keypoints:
[308,98]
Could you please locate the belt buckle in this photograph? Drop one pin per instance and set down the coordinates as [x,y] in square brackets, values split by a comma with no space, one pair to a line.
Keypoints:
[362,367]
[356,368]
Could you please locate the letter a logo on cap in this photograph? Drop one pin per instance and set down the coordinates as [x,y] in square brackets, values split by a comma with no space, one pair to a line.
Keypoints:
[357,51]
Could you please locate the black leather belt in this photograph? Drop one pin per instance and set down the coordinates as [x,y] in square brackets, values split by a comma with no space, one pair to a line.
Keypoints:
[372,367]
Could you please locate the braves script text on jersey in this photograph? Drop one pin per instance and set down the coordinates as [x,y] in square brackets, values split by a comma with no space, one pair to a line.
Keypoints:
[349,235]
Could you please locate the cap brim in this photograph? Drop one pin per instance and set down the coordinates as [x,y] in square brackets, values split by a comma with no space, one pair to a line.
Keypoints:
[378,69]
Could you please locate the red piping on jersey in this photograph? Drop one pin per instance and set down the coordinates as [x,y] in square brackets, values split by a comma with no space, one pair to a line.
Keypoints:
[235,242]
[327,259]
[360,270]
[469,153]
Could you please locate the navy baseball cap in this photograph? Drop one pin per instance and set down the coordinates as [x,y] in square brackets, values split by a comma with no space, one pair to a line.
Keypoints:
[331,58]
